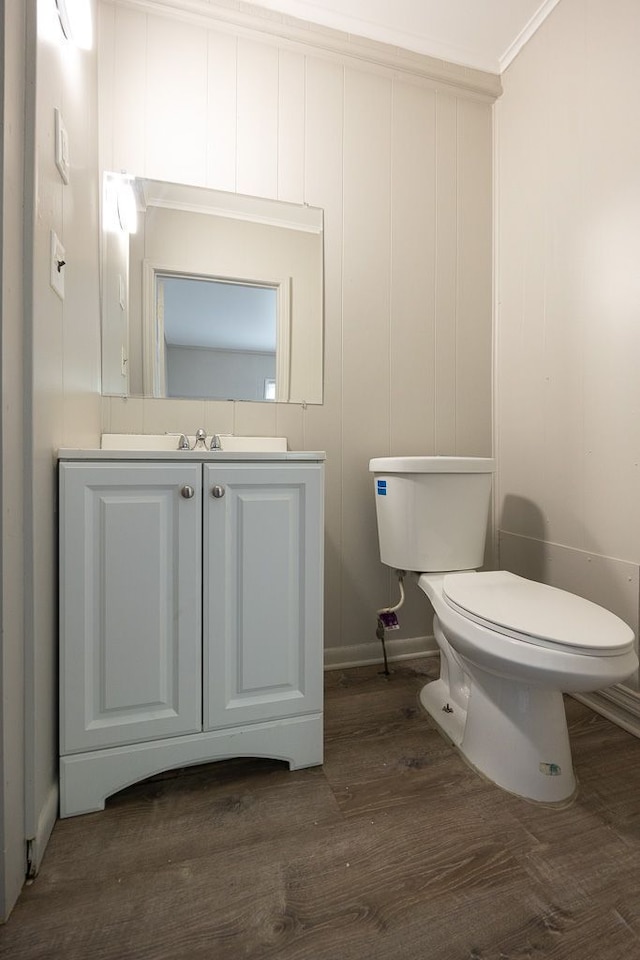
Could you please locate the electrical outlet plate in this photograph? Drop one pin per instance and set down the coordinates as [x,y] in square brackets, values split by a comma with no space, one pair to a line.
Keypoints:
[57,265]
[61,146]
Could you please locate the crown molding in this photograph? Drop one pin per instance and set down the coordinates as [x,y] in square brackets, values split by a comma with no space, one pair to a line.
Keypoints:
[526,33]
[249,19]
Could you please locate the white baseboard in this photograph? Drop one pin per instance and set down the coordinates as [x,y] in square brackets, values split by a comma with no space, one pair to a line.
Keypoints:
[46,821]
[362,654]
[618,704]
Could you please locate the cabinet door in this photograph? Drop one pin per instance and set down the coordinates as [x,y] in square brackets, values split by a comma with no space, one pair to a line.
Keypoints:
[263,592]
[130,615]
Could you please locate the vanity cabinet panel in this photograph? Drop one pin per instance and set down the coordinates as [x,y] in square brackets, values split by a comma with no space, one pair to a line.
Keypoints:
[263,589]
[167,567]
[130,604]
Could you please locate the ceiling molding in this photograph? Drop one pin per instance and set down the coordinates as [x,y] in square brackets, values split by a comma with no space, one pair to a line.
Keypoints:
[250,19]
[526,33]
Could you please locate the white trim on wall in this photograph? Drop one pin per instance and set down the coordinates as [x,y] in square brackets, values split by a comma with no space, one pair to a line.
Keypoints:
[526,33]
[618,704]
[243,18]
[363,654]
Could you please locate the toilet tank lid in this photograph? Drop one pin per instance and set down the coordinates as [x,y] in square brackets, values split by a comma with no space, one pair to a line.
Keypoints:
[431,465]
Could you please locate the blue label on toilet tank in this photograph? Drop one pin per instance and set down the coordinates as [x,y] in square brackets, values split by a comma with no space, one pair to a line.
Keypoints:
[382,488]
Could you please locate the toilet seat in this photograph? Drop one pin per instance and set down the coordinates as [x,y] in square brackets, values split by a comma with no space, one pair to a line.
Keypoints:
[536,613]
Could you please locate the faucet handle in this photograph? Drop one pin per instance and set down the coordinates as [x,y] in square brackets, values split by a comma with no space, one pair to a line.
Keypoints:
[215,443]
[183,442]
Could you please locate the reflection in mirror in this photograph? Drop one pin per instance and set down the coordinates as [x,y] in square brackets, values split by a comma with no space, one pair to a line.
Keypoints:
[220,338]
[216,295]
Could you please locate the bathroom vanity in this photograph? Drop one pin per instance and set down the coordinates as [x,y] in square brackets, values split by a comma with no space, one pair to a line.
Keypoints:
[190,613]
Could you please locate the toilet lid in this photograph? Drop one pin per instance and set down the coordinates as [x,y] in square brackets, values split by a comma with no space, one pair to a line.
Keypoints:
[537,613]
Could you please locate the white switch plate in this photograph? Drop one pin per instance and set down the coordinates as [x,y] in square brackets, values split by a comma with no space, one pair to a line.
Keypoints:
[57,265]
[61,146]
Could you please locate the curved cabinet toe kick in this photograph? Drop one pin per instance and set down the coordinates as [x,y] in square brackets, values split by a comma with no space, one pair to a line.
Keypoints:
[190,619]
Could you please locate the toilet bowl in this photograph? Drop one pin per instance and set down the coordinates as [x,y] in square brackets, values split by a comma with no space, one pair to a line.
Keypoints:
[510,647]
[511,726]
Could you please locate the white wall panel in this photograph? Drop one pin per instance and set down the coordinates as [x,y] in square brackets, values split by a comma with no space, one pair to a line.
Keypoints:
[221,122]
[568,297]
[412,366]
[176,102]
[257,136]
[474,293]
[291,126]
[62,403]
[405,262]
[365,342]
[322,425]
[446,273]
[126,94]
[18,66]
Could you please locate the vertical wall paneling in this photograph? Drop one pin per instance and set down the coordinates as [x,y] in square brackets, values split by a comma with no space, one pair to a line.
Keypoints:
[366,292]
[106,27]
[62,374]
[413,233]
[323,424]
[412,366]
[474,315]
[255,419]
[127,94]
[257,158]
[567,333]
[221,111]
[611,251]
[46,389]
[291,125]
[446,264]
[378,151]
[176,137]
[81,320]
[563,383]
[18,72]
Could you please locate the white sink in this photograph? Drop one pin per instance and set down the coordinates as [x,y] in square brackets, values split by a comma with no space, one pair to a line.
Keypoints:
[169,441]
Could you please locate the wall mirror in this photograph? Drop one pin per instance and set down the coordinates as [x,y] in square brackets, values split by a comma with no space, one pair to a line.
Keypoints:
[215,295]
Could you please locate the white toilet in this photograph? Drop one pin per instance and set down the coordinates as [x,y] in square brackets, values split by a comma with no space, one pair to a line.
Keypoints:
[509,647]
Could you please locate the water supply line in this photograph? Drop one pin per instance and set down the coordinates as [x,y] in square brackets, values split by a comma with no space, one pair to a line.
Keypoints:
[387,619]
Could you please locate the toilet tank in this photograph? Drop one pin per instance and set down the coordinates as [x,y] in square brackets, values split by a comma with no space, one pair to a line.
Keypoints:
[432,511]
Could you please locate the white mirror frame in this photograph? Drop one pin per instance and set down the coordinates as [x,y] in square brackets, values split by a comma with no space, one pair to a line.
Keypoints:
[153,347]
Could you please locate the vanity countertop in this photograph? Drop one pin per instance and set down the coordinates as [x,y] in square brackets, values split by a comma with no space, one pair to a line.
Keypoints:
[200,455]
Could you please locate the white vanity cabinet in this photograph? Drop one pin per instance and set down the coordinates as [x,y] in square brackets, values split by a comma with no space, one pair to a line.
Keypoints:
[190,617]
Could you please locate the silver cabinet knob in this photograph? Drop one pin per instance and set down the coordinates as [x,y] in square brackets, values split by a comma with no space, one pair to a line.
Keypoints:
[217,491]
[187,492]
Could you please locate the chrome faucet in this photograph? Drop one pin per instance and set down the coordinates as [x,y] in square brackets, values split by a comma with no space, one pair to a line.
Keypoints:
[200,438]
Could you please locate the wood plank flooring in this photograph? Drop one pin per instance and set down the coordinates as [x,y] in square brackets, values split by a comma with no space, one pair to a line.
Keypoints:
[393,850]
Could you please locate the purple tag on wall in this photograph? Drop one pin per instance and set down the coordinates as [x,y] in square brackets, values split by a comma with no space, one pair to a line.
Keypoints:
[389,620]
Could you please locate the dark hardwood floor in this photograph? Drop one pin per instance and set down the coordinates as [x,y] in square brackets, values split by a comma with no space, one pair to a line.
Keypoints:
[394,850]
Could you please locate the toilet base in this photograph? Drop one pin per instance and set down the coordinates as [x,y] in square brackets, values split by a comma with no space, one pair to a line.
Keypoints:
[515,735]
[450,717]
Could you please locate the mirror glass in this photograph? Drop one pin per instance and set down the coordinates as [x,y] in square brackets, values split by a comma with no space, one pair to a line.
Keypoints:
[215,295]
